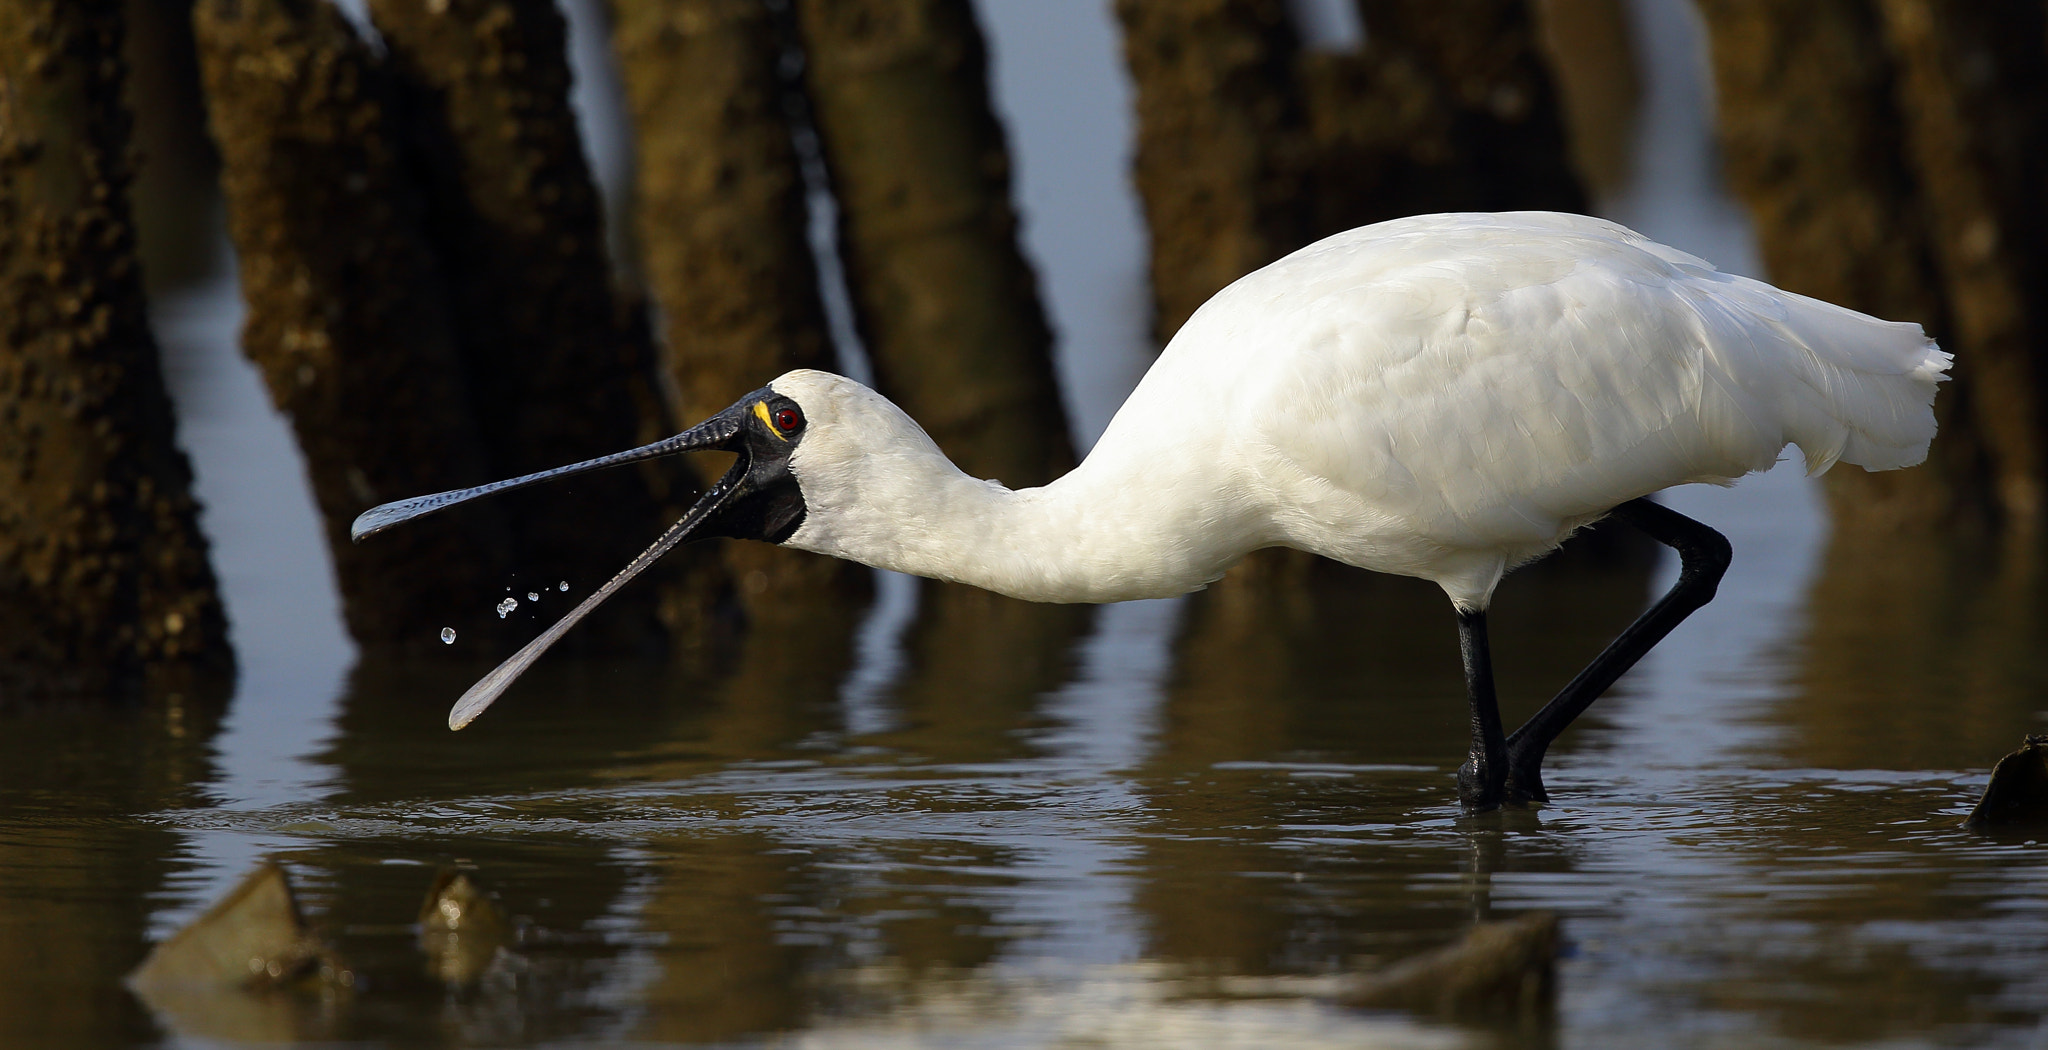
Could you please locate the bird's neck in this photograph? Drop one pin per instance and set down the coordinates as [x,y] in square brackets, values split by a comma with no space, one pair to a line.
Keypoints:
[1111,530]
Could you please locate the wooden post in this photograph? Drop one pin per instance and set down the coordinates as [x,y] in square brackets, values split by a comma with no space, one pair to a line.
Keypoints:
[1248,148]
[1840,130]
[1224,161]
[946,303]
[1974,93]
[555,370]
[1449,107]
[104,579]
[348,312]
[722,227]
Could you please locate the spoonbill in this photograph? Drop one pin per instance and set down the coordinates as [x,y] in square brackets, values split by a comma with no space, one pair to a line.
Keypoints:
[1443,396]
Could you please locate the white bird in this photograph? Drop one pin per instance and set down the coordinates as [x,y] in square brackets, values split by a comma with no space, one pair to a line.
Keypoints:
[1444,396]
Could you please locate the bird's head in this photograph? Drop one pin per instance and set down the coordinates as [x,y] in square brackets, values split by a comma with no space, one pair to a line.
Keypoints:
[805,423]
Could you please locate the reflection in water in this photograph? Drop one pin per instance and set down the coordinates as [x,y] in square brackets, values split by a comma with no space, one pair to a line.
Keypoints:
[1197,819]
[79,873]
[712,892]
[724,971]
[978,667]
[1921,652]
[1348,690]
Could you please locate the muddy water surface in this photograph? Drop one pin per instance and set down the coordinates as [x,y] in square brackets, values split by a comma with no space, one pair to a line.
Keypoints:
[1160,824]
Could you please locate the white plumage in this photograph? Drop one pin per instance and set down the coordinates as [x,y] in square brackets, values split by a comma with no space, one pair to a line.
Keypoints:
[1444,396]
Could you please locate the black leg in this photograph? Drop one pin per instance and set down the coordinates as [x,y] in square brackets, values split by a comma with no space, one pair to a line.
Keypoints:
[1703,556]
[1484,775]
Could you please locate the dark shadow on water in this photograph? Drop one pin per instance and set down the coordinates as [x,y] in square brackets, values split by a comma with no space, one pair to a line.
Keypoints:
[978,668]
[691,859]
[1307,711]
[82,867]
[614,808]
[1922,652]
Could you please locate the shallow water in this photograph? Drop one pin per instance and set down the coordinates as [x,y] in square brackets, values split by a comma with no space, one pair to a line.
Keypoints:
[1159,824]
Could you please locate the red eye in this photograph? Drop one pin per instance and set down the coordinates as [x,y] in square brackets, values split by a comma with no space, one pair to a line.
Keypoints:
[788,419]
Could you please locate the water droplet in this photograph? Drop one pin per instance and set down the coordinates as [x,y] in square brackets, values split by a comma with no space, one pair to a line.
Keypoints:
[564,586]
[532,597]
[447,636]
[506,606]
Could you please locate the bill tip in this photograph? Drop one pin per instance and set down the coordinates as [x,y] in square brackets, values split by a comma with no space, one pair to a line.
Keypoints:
[373,521]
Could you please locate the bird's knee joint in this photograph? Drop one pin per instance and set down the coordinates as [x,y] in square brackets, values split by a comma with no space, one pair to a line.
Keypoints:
[1712,554]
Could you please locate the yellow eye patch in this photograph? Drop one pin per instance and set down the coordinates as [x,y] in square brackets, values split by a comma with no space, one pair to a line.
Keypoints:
[761,409]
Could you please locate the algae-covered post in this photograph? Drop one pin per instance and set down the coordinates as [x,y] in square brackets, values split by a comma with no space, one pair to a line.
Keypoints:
[1447,107]
[1974,94]
[348,316]
[555,370]
[722,227]
[1842,124]
[719,197]
[1223,165]
[104,579]
[1223,156]
[1250,146]
[1834,202]
[946,303]
[1589,47]
[1832,199]
[1889,155]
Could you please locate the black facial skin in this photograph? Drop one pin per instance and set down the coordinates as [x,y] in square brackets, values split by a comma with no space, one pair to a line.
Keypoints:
[766,503]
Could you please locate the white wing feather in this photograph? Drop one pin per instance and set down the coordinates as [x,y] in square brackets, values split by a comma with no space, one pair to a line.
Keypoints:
[1490,382]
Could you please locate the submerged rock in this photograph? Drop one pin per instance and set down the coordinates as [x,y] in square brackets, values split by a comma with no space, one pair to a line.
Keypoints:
[461,929]
[2018,791]
[247,971]
[1498,971]
[252,938]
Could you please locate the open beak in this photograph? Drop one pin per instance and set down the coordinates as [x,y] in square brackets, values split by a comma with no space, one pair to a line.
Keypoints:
[723,431]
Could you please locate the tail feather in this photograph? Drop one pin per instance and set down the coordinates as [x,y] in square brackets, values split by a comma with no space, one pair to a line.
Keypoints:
[1852,387]
[1872,385]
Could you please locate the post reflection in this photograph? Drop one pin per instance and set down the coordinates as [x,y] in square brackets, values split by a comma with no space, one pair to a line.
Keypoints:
[1301,792]
[1922,652]
[776,695]
[1920,655]
[1836,909]
[725,969]
[768,916]
[80,791]
[977,668]
[723,966]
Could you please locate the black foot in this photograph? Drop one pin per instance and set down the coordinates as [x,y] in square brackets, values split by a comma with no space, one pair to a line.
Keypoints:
[1525,769]
[1478,791]
[1525,784]
[1522,786]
